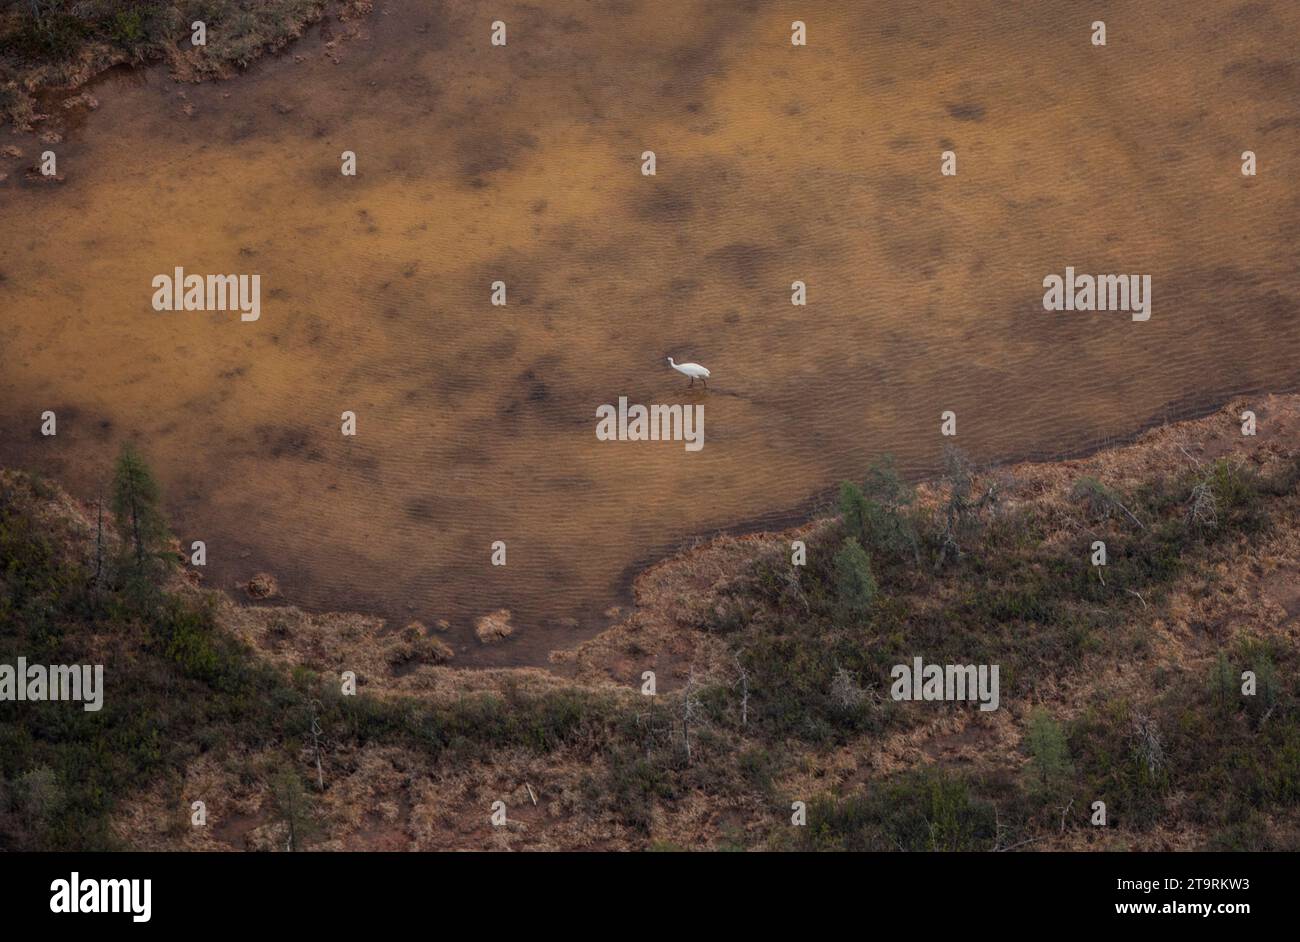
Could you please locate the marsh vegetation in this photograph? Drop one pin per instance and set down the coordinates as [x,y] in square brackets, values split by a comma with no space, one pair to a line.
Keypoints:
[967,571]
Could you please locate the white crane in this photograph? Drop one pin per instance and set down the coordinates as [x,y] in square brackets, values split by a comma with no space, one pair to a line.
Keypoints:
[693,370]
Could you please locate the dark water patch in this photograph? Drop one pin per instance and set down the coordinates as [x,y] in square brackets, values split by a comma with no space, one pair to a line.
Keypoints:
[421,508]
[530,396]
[692,66]
[1278,124]
[665,203]
[480,154]
[1249,13]
[280,442]
[744,262]
[524,274]
[1267,78]
[965,111]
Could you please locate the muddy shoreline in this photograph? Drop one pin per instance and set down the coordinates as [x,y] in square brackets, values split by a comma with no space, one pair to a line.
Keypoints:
[811,511]
[36,93]
[580,653]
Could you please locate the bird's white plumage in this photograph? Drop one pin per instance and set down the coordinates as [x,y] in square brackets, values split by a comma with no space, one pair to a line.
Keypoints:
[693,370]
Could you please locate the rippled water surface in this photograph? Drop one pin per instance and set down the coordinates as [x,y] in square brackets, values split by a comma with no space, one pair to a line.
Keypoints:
[477,423]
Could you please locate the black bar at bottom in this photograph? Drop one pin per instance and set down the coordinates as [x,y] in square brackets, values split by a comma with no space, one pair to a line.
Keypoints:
[354,892]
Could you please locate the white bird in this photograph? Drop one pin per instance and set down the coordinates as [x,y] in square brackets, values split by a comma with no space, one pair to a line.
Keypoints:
[693,370]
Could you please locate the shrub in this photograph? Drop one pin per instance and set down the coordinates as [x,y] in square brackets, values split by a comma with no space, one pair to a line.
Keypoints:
[1223,686]
[853,508]
[891,525]
[879,514]
[127,28]
[855,587]
[1049,755]
[922,811]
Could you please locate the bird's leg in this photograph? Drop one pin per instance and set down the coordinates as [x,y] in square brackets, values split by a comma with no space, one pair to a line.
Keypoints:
[705,382]
[692,382]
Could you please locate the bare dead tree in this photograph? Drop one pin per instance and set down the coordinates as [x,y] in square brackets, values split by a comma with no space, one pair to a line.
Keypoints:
[1203,507]
[743,682]
[316,733]
[845,691]
[690,708]
[964,508]
[1146,743]
[99,540]
[1064,812]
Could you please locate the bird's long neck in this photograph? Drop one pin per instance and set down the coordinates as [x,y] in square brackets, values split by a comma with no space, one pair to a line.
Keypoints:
[670,362]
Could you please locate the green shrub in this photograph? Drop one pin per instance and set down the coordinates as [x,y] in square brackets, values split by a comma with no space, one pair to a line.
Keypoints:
[1049,756]
[853,508]
[127,28]
[855,587]
[52,36]
[890,527]
[922,811]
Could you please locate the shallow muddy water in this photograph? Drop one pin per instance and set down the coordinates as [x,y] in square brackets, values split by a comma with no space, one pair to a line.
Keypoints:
[477,423]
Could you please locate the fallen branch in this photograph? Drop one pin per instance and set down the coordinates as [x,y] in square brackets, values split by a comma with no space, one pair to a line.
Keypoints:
[1195,461]
[1019,844]
[1130,515]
